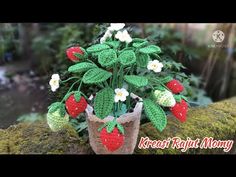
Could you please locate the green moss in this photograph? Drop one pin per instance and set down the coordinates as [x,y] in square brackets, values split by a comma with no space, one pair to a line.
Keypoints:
[218,120]
[37,138]
[227,106]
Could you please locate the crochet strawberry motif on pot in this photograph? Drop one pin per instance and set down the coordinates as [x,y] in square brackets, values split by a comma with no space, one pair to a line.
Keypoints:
[73,107]
[179,110]
[175,86]
[112,141]
[70,52]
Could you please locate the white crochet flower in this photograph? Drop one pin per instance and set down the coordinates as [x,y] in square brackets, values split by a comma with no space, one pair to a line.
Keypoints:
[123,36]
[121,94]
[107,34]
[116,26]
[155,65]
[54,82]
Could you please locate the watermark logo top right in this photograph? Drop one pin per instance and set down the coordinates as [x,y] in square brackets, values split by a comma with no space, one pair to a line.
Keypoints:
[218,36]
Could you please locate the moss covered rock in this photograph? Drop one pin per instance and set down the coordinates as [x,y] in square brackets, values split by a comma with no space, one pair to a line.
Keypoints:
[218,120]
[37,138]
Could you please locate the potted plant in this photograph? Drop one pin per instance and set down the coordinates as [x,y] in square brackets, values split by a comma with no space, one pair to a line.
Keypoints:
[131,78]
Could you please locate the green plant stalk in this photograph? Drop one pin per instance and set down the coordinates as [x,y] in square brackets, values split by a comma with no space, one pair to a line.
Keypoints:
[114,76]
[90,61]
[70,89]
[69,79]
[84,95]
[128,102]
[113,85]
[120,83]
[81,82]
[121,76]
[106,84]
[160,83]
[130,89]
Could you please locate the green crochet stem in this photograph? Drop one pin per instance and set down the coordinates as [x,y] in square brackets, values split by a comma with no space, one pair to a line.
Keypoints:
[157,81]
[128,102]
[114,76]
[100,85]
[84,95]
[131,70]
[69,79]
[106,84]
[116,110]
[91,61]
[70,89]
[151,86]
[81,82]
[121,76]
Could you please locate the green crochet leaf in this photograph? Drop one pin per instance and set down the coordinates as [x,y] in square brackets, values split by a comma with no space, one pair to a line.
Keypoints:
[78,55]
[121,111]
[110,126]
[137,81]
[85,52]
[62,110]
[113,44]
[184,97]
[57,106]
[97,48]
[68,95]
[127,48]
[107,57]
[160,87]
[140,44]
[150,49]
[138,40]
[81,67]
[166,79]
[142,59]
[178,98]
[77,96]
[103,126]
[103,102]
[120,128]
[155,113]
[96,54]
[127,57]
[95,76]
[54,106]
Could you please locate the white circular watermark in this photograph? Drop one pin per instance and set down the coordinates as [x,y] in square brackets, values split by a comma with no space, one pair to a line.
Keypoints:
[218,36]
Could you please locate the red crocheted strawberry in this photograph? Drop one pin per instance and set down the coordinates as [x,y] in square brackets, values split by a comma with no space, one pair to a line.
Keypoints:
[175,86]
[179,110]
[71,51]
[73,107]
[113,140]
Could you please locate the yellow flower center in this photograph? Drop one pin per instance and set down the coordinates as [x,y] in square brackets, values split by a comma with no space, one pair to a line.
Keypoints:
[154,65]
[119,94]
[54,82]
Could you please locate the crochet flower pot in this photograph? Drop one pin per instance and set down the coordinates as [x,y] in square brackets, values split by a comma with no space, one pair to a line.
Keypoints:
[130,122]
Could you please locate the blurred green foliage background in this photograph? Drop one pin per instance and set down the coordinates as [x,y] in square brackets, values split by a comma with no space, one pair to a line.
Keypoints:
[37,50]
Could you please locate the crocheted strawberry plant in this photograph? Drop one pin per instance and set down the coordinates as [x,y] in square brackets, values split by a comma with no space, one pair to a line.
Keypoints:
[123,68]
